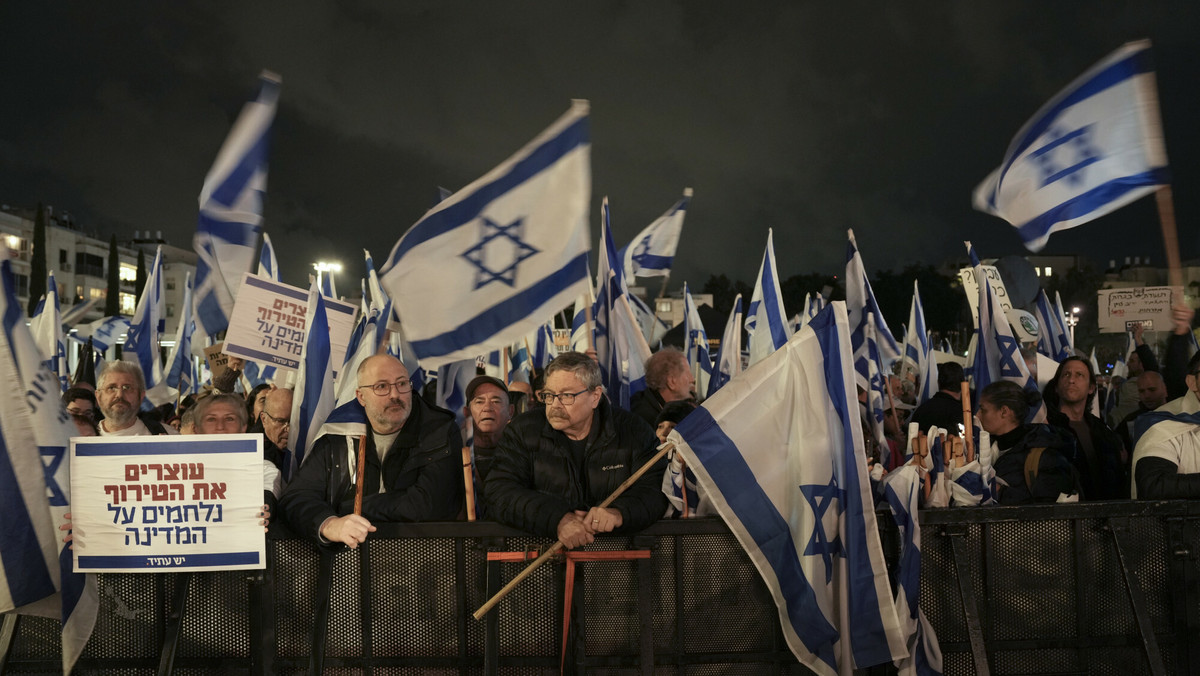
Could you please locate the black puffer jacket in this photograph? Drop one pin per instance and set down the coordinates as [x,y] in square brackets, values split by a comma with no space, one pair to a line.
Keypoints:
[422,472]
[534,481]
[1053,474]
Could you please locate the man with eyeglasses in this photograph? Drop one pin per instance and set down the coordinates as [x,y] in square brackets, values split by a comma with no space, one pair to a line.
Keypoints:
[555,465]
[119,392]
[276,422]
[413,466]
[1166,460]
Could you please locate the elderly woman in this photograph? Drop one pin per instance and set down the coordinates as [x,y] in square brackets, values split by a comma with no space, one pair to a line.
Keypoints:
[1034,462]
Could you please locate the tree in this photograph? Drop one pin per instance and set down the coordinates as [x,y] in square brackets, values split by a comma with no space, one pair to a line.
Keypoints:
[724,290]
[37,260]
[794,289]
[140,281]
[112,305]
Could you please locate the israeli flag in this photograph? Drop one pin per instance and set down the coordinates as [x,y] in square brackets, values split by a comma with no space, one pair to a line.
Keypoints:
[181,372]
[398,347]
[268,265]
[902,488]
[328,286]
[46,326]
[729,354]
[695,345]
[778,451]
[1053,338]
[452,381]
[860,302]
[813,303]
[145,333]
[231,209]
[620,346]
[653,329]
[104,332]
[35,488]
[918,351]
[652,252]
[1093,148]
[766,321]
[544,350]
[997,352]
[72,315]
[1121,368]
[521,366]
[483,267]
[877,383]
[582,331]
[314,398]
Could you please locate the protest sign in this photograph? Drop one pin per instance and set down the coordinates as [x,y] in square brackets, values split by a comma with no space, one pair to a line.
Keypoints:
[154,503]
[1150,306]
[217,360]
[268,324]
[971,287]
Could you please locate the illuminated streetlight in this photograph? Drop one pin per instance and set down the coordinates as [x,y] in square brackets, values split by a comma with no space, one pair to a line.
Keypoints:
[1072,320]
[327,268]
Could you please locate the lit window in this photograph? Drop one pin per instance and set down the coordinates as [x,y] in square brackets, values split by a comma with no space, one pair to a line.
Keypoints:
[98,293]
[1037,271]
[664,306]
[128,273]
[128,304]
[1048,272]
[14,242]
[170,310]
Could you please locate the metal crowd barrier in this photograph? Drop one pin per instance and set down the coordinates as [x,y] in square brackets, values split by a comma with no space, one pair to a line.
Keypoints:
[1103,588]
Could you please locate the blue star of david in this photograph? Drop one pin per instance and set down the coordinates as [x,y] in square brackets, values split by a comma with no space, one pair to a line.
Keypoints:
[496,235]
[819,543]
[642,253]
[55,454]
[1008,357]
[1065,155]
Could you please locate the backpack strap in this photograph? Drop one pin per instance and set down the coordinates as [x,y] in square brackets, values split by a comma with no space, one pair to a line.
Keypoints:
[1031,465]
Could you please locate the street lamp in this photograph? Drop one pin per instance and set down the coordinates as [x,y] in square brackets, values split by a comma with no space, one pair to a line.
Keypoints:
[327,267]
[1072,320]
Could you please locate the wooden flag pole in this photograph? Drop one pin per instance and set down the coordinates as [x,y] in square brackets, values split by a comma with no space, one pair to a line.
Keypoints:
[1166,216]
[360,470]
[492,602]
[468,482]
[968,441]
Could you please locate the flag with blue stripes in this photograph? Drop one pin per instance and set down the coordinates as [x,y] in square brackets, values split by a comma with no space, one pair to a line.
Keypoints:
[582,327]
[72,315]
[489,263]
[36,574]
[181,367]
[268,265]
[452,381]
[652,252]
[1062,315]
[231,205]
[542,343]
[314,398]
[997,352]
[877,384]
[813,303]
[328,285]
[1093,148]
[695,345]
[1052,330]
[766,321]
[779,451]
[145,334]
[104,332]
[918,351]
[902,489]
[520,368]
[1121,368]
[46,326]
[399,348]
[652,327]
[621,348]
[729,354]
[860,302]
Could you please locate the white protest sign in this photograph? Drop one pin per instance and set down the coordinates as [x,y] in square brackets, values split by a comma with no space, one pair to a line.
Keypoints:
[154,503]
[971,287]
[1150,306]
[269,325]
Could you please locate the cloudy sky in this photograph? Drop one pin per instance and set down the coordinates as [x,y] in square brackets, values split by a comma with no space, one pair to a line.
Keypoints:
[805,117]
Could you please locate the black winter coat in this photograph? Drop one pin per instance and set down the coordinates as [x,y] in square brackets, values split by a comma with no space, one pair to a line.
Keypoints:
[534,481]
[422,472]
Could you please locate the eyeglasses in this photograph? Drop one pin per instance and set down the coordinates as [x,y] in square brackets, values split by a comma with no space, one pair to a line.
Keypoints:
[283,422]
[384,389]
[114,388]
[89,413]
[567,398]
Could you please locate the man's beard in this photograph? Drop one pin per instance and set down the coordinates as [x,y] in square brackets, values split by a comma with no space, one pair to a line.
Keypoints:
[121,414]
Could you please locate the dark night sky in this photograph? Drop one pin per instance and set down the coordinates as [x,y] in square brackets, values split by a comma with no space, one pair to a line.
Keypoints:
[803,116]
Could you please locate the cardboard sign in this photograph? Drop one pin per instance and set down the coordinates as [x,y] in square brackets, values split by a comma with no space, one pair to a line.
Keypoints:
[154,503]
[269,324]
[971,287]
[1150,306]
[217,360]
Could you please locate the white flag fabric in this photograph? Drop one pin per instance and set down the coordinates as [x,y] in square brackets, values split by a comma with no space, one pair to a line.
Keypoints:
[652,252]
[145,334]
[695,345]
[779,451]
[918,351]
[621,348]
[181,372]
[766,321]
[860,302]
[997,352]
[36,577]
[231,209]
[315,397]
[1052,329]
[104,332]
[1093,148]
[582,338]
[489,263]
[46,325]
[268,265]
[729,355]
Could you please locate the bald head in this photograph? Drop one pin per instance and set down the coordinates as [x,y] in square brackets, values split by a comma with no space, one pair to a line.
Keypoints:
[1152,391]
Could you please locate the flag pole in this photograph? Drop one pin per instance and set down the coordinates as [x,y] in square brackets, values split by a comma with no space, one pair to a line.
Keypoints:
[968,440]
[492,602]
[1166,217]
[362,462]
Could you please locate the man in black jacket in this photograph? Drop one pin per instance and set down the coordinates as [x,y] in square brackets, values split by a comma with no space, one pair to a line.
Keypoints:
[554,466]
[413,464]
